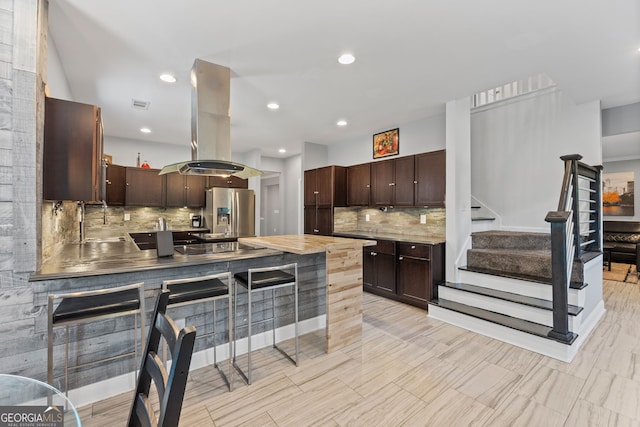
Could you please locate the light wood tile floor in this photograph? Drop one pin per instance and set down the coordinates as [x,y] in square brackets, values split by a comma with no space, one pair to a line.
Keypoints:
[411,370]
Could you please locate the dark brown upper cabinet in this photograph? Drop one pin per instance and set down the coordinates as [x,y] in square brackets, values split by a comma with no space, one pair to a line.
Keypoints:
[72,152]
[144,187]
[325,187]
[430,178]
[184,190]
[226,182]
[116,183]
[392,182]
[359,185]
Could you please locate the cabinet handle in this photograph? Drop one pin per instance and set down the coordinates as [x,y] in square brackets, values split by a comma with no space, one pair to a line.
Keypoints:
[316,231]
[368,186]
[316,192]
[413,246]
[108,182]
[373,253]
[415,182]
[400,258]
[391,184]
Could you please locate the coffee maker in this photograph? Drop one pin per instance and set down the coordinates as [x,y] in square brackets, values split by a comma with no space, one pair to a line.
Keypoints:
[196,221]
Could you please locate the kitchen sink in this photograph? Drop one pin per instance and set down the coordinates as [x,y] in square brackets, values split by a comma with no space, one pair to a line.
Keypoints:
[103,239]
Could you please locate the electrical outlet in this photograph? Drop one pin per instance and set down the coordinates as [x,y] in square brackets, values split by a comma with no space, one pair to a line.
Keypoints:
[367,217]
[423,218]
[127,217]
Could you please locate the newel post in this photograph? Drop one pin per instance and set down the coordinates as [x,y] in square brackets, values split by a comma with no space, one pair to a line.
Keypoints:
[559,277]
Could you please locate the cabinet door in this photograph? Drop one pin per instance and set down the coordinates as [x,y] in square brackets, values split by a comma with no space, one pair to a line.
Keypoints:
[174,189]
[144,187]
[325,186]
[382,182]
[116,180]
[310,187]
[226,182]
[368,268]
[403,180]
[430,178]
[359,185]
[414,279]
[310,220]
[385,272]
[72,152]
[324,223]
[235,182]
[194,191]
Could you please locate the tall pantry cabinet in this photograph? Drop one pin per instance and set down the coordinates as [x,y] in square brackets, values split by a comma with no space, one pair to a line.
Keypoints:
[324,189]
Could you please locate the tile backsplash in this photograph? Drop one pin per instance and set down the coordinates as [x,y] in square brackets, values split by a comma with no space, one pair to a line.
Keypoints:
[101,223]
[396,220]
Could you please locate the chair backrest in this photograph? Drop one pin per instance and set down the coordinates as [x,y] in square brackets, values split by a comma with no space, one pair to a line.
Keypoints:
[171,385]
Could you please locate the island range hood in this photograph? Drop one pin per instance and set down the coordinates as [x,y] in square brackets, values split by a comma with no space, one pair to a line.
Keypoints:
[210,126]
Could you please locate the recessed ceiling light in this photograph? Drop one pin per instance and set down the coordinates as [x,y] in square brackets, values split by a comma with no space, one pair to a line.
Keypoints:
[341,123]
[168,78]
[282,150]
[346,59]
[145,130]
[273,106]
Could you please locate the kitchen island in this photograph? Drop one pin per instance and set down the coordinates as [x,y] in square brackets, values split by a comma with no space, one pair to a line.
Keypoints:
[330,283]
[343,279]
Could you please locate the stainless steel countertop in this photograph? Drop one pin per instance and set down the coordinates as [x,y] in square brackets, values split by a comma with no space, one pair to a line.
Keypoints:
[109,257]
[432,239]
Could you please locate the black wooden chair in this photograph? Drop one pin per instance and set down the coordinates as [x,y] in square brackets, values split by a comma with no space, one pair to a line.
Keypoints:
[171,385]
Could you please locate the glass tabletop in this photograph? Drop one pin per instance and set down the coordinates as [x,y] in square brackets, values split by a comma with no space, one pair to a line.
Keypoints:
[32,403]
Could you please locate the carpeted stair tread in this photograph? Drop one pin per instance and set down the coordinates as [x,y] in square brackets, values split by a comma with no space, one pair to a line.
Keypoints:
[501,239]
[509,296]
[497,318]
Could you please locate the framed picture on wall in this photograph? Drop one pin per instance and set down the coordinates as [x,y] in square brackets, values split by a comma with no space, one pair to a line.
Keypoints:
[386,143]
[618,194]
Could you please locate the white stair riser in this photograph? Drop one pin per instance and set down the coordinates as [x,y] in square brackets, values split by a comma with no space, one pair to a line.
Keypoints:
[518,338]
[520,311]
[516,286]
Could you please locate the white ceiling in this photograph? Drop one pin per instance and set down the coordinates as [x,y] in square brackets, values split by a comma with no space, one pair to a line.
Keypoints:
[412,56]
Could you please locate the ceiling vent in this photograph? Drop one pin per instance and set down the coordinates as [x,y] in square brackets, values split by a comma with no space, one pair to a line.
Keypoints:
[139,105]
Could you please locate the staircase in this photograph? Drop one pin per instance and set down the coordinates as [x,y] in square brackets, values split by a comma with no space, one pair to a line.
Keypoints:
[521,288]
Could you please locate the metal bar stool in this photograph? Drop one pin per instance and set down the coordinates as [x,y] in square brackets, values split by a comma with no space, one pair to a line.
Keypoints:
[82,307]
[202,289]
[262,279]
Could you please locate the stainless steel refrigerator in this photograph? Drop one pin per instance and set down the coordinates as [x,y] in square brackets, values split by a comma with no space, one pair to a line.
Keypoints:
[230,211]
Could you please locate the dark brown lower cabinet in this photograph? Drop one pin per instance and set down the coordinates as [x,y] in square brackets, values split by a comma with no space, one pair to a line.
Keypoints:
[410,274]
[379,268]
[318,220]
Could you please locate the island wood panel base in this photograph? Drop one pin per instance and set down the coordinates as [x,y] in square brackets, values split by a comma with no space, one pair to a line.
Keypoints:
[344,294]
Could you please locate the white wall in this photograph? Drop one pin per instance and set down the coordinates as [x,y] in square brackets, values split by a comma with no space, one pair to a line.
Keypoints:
[515,153]
[292,193]
[626,166]
[458,185]
[314,156]
[125,151]
[56,77]
[419,136]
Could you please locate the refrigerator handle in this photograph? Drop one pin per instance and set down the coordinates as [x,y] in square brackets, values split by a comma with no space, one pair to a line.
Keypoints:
[235,213]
